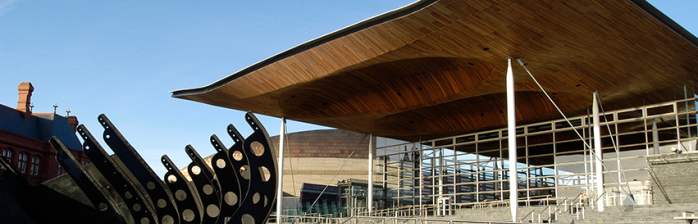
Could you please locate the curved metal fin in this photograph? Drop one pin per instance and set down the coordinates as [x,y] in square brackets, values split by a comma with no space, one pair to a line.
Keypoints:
[140,207]
[98,196]
[207,186]
[257,206]
[238,159]
[228,180]
[161,197]
[186,197]
[19,202]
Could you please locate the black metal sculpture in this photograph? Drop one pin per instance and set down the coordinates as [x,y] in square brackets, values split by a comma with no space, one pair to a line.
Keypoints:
[240,187]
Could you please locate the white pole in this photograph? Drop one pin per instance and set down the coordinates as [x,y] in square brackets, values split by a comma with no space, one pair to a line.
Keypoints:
[591,161]
[369,201]
[655,136]
[511,121]
[279,190]
[597,148]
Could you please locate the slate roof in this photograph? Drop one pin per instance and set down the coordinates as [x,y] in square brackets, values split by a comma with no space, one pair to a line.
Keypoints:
[40,126]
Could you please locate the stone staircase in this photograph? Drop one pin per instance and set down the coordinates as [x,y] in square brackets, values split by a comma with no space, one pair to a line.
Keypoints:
[493,214]
[632,214]
[620,214]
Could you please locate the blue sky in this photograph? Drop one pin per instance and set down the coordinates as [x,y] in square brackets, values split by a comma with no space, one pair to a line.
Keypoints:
[122,58]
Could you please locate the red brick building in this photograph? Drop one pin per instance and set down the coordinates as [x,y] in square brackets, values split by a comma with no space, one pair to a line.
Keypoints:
[24,138]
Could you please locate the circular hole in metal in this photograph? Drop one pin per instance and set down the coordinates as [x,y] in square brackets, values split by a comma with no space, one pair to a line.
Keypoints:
[245,172]
[230,198]
[172,179]
[237,155]
[137,207]
[103,207]
[247,219]
[167,219]
[208,189]
[180,195]
[150,185]
[264,173]
[107,136]
[188,215]
[196,170]
[128,195]
[256,197]
[257,148]
[145,220]
[220,163]
[162,203]
[212,210]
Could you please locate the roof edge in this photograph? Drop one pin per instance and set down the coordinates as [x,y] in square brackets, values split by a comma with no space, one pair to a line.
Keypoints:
[387,16]
[668,22]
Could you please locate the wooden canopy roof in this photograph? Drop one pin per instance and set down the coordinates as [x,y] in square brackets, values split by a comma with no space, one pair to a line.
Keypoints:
[436,67]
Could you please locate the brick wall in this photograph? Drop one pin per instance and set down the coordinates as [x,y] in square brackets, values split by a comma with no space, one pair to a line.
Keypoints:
[677,174]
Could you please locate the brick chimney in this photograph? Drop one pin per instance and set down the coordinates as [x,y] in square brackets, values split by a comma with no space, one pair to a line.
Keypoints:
[25,95]
[73,122]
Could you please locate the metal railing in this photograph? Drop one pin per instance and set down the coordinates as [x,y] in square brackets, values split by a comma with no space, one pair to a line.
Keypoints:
[415,220]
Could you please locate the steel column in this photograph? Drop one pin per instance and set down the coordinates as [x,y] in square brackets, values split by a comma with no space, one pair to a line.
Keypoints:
[279,190]
[369,200]
[599,154]
[655,136]
[511,124]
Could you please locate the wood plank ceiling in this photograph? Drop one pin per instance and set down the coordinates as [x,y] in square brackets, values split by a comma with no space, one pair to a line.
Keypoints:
[437,68]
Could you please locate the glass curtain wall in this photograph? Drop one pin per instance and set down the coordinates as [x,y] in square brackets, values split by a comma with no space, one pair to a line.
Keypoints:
[554,159]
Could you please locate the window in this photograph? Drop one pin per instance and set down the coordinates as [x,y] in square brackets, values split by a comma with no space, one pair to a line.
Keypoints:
[22,165]
[7,153]
[84,162]
[61,171]
[35,166]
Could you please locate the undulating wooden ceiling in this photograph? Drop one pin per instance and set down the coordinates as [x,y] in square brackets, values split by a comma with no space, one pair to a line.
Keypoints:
[437,68]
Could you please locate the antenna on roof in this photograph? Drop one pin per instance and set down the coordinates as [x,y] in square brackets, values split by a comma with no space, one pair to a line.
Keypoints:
[67,112]
[55,105]
[31,107]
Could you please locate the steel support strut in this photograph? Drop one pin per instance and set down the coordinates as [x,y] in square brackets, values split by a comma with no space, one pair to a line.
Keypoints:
[511,124]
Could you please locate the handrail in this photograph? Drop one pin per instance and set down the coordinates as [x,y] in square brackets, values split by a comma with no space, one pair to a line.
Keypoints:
[599,197]
[531,212]
[350,218]
[479,204]
[542,210]
[436,220]
[656,180]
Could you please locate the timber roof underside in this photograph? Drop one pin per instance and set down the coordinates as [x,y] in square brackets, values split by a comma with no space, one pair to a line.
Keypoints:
[438,69]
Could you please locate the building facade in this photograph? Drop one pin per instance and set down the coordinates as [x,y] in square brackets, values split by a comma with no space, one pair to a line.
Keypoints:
[24,138]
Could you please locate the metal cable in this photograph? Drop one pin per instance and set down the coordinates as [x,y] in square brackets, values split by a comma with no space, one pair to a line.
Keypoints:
[615,147]
[290,161]
[335,175]
[553,102]
[570,123]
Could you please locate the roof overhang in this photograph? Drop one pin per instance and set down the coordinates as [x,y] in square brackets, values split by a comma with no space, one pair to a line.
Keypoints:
[437,67]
